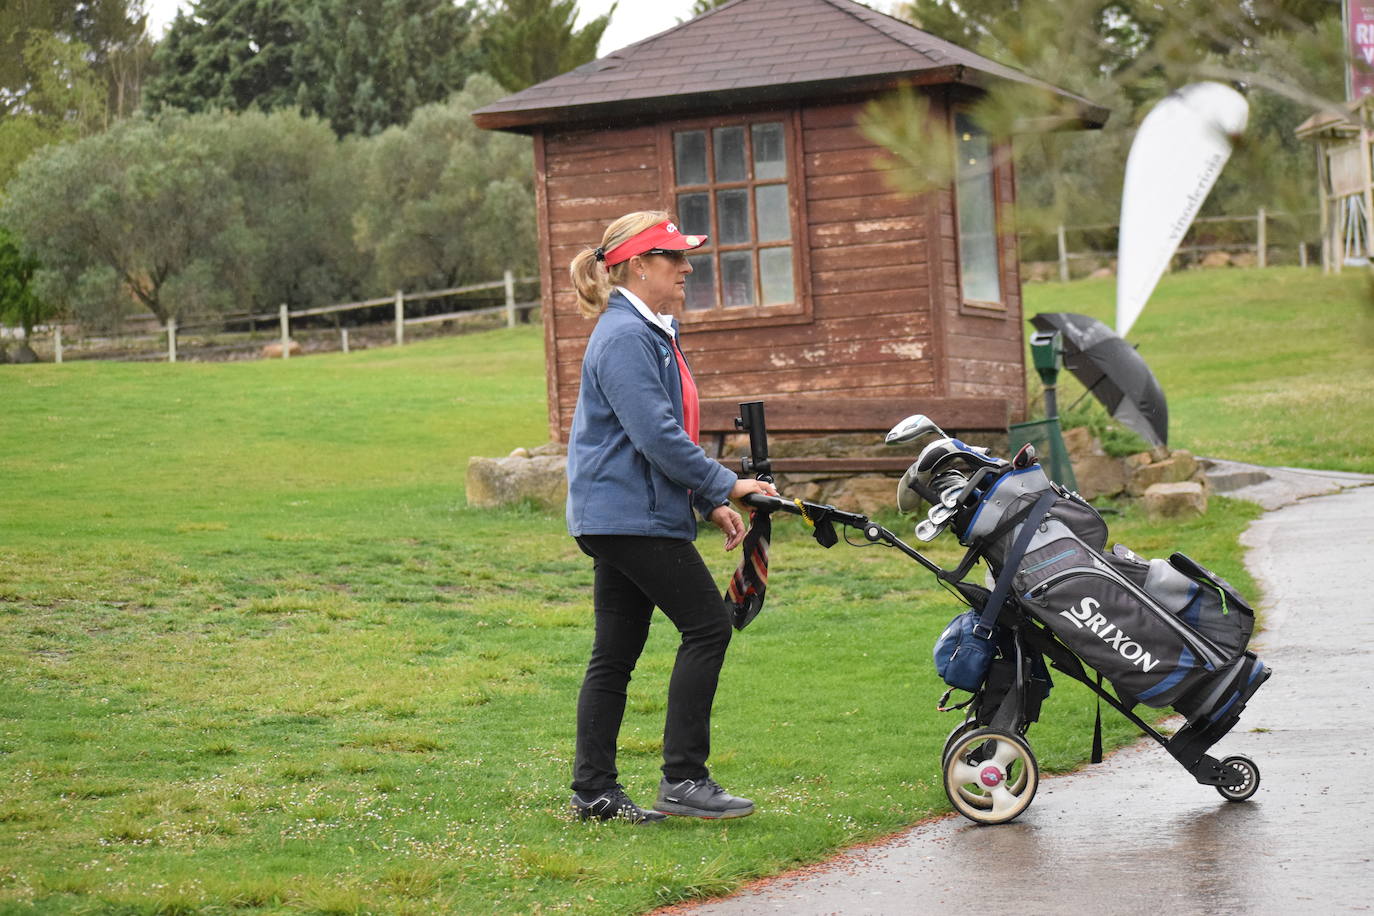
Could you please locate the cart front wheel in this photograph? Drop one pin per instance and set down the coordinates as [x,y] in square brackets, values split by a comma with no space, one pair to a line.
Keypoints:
[1250,778]
[990,776]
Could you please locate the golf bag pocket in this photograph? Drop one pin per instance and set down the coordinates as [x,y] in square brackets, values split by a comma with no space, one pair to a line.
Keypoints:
[962,657]
[1113,626]
[1214,607]
[1199,597]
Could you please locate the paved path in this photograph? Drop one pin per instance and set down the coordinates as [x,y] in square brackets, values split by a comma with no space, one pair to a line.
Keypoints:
[1135,833]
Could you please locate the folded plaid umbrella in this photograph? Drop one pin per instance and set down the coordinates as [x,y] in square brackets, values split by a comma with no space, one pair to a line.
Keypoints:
[744,597]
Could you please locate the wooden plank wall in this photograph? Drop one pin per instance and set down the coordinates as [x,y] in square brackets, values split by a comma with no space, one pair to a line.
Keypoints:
[874,330]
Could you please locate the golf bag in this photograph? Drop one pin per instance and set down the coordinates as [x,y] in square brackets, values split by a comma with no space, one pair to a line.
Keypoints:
[1163,632]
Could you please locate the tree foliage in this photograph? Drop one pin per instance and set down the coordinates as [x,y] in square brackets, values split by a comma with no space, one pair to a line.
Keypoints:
[19,304]
[226,54]
[143,213]
[111,34]
[445,203]
[1285,55]
[528,41]
[361,66]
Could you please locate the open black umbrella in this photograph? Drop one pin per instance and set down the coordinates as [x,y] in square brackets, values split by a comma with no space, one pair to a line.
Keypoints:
[1112,371]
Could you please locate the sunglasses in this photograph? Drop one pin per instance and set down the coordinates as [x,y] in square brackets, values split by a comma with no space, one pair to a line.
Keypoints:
[677,257]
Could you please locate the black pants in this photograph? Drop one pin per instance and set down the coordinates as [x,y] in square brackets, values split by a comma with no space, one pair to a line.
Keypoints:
[633,576]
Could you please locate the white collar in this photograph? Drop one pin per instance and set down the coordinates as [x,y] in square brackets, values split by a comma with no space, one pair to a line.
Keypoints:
[663,321]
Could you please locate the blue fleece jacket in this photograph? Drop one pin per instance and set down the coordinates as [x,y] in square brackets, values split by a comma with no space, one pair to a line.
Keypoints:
[632,469]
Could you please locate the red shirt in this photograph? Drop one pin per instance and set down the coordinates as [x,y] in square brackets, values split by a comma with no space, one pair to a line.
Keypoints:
[691,402]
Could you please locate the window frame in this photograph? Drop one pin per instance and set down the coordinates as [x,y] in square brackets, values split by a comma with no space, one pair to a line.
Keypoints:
[996,174]
[799,309]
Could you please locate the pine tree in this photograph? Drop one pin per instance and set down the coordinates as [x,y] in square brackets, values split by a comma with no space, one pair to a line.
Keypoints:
[528,41]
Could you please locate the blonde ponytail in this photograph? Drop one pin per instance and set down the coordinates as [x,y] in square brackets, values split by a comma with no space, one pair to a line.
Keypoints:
[590,277]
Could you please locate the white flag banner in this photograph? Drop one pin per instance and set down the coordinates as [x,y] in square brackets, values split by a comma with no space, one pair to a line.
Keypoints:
[1177,155]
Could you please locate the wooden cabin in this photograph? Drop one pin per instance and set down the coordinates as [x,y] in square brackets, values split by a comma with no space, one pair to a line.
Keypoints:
[821,284]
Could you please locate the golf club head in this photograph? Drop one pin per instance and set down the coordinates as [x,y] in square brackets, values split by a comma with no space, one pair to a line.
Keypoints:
[928,531]
[911,429]
[908,500]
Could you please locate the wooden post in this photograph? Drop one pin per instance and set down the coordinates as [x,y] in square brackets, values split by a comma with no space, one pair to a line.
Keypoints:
[343,339]
[1302,254]
[1368,178]
[1063,255]
[1261,240]
[510,299]
[285,317]
[57,343]
[1324,202]
[172,339]
[400,318]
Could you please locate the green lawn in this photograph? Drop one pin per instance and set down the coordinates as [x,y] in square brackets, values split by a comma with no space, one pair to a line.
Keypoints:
[1267,366]
[257,655]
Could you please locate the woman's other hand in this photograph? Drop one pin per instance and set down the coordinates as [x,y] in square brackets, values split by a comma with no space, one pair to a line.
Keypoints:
[728,521]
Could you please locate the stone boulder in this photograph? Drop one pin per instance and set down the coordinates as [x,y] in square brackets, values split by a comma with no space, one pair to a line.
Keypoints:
[1214,259]
[1099,475]
[273,350]
[1185,499]
[866,494]
[1179,466]
[541,479]
[1096,473]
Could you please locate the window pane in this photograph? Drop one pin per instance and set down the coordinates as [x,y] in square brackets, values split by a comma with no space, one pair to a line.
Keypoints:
[770,157]
[694,213]
[775,268]
[730,164]
[689,148]
[977,212]
[701,283]
[737,278]
[732,208]
[775,222]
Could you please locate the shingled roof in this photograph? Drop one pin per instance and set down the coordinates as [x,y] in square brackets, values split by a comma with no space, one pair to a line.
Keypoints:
[751,51]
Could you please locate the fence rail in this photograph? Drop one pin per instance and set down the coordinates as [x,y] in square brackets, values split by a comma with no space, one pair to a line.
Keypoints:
[1260,247]
[284,316]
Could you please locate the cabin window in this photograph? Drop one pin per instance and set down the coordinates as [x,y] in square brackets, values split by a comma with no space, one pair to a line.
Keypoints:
[734,183]
[976,200]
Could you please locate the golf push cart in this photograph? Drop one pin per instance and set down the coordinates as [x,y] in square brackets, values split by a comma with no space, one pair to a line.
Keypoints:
[1163,633]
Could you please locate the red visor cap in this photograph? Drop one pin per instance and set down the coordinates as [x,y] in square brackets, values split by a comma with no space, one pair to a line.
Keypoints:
[662,235]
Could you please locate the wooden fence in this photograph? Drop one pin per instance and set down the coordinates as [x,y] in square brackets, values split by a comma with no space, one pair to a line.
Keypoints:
[169,333]
[1260,247]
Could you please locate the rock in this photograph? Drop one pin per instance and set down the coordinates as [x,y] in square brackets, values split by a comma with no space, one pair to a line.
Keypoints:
[25,353]
[866,494]
[1101,273]
[548,448]
[1244,259]
[1178,467]
[1184,499]
[495,482]
[1138,460]
[519,452]
[1081,443]
[273,350]
[1215,259]
[1099,475]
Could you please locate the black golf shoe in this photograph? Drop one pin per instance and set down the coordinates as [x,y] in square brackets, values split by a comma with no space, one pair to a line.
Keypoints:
[700,798]
[611,805]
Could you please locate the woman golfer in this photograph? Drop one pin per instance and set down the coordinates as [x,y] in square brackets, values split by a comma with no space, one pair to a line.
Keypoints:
[635,475]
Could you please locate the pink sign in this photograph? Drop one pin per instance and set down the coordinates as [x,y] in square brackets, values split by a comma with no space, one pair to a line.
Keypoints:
[1360,23]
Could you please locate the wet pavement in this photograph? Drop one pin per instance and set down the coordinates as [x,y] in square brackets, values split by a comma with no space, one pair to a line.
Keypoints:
[1136,833]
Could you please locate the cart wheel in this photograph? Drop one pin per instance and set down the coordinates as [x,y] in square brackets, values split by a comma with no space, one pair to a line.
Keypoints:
[1246,767]
[990,776]
[963,728]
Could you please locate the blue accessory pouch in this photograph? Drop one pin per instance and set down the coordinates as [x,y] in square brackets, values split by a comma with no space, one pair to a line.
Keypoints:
[965,649]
